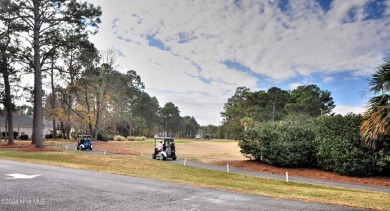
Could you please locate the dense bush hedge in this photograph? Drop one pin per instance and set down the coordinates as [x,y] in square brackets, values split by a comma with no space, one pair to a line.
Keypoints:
[49,136]
[3,134]
[285,143]
[331,143]
[24,137]
[340,147]
[103,136]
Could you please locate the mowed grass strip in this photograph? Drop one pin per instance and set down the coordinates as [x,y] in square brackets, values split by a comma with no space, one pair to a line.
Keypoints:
[166,171]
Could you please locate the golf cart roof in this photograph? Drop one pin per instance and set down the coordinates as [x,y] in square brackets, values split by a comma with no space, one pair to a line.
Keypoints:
[165,138]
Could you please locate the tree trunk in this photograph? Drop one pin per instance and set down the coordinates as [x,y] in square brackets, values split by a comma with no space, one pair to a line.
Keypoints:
[90,127]
[67,134]
[53,101]
[97,114]
[8,103]
[37,136]
[6,129]
[8,100]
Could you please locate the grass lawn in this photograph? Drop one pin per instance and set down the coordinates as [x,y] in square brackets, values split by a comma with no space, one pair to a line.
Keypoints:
[204,151]
[148,168]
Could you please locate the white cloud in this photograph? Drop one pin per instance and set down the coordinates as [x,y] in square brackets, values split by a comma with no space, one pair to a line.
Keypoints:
[345,109]
[328,79]
[279,45]
[294,85]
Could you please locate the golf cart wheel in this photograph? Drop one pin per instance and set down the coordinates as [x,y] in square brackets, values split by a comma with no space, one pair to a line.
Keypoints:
[154,156]
[78,148]
[174,158]
[90,149]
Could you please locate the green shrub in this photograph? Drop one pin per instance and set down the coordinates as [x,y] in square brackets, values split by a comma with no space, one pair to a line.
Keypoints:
[110,137]
[340,147]
[24,137]
[250,144]
[382,161]
[331,143]
[74,135]
[49,136]
[102,135]
[286,143]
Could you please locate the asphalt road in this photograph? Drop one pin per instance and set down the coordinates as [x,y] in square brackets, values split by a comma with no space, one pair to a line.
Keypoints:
[60,188]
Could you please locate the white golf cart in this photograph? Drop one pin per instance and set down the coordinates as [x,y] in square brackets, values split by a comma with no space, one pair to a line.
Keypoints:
[165,149]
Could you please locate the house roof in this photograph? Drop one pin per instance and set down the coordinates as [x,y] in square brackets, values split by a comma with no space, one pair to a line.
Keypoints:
[22,120]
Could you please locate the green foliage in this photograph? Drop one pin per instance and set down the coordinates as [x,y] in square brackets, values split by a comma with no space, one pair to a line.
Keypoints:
[375,128]
[212,131]
[207,136]
[171,119]
[340,148]
[284,143]
[190,127]
[48,136]
[250,143]
[311,100]
[102,135]
[74,135]
[273,105]
[331,143]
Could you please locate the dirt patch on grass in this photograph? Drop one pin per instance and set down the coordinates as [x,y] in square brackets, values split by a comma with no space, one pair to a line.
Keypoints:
[304,172]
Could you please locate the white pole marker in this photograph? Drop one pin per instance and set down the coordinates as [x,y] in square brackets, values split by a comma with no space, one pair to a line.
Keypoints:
[286,176]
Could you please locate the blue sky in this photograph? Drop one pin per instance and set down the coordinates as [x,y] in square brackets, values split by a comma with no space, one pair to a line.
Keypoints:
[196,53]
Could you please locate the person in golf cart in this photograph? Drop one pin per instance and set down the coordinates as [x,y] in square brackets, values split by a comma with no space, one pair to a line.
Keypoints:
[173,145]
[160,146]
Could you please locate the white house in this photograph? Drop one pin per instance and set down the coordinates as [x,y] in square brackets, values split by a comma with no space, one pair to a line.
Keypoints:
[23,124]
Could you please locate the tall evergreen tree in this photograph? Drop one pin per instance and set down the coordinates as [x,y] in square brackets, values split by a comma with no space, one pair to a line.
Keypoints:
[310,100]
[9,49]
[44,20]
[171,119]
